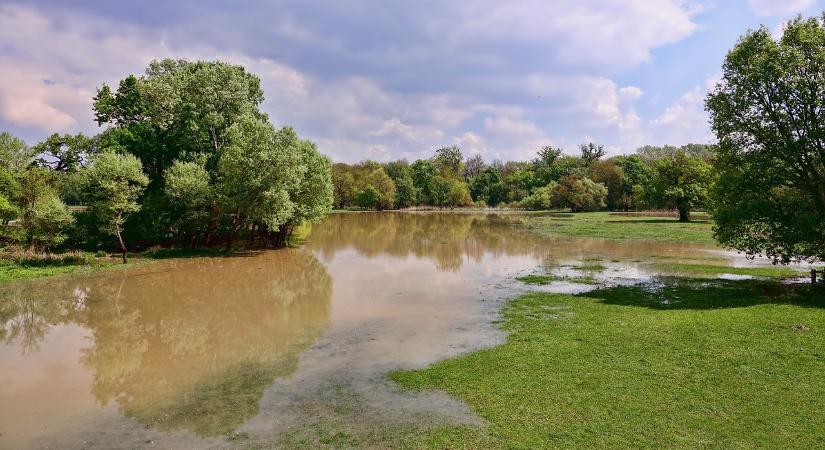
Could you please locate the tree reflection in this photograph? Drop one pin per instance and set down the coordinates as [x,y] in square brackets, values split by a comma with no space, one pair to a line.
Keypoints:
[193,347]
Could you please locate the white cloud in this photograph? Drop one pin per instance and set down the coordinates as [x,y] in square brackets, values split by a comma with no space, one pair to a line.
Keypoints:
[685,120]
[49,70]
[780,7]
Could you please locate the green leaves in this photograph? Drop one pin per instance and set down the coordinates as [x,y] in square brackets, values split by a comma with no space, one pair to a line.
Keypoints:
[767,113]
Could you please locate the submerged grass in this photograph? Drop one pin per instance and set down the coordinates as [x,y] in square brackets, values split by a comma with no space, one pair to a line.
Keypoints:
[676,363]
[22,266]
[542,280]
[712,269]
[610,226]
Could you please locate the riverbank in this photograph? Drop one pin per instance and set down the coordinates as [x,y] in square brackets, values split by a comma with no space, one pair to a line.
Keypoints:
[15,267]
[675,363]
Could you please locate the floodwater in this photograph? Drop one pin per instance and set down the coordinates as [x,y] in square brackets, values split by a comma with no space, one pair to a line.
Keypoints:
[256,350]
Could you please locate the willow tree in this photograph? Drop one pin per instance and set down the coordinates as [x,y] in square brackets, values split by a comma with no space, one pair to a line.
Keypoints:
[113,183]
[767,111]
[258,169]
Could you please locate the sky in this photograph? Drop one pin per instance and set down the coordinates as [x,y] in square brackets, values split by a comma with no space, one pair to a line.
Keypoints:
[385,79]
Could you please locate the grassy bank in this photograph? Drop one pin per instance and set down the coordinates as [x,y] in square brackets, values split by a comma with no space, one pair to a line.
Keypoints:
[612,226]
[12,269]
[693,363]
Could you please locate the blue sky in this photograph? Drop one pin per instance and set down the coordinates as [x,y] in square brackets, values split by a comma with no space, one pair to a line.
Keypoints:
[372,79]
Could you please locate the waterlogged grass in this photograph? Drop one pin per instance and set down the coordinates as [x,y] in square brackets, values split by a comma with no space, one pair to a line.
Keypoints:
[542,280]
[677,363]
[12,270]
[589,268]
[607,226]
[710,269]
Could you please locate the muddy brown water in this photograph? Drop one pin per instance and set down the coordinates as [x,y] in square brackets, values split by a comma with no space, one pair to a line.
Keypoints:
[243,351]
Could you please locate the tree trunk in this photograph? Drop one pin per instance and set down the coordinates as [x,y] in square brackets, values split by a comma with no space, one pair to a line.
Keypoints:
[120,241]
[684,215]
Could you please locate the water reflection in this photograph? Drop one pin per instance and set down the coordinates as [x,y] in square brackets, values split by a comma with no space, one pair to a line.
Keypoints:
[192,346]
[451,238]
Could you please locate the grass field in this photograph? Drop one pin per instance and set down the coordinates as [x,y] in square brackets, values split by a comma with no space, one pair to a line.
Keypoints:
[691,363]
[611,226]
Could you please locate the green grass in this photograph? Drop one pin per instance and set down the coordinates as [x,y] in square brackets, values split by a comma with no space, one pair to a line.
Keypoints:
[589,267]
[687,363]
[12,271]
[607,226]
[710,269]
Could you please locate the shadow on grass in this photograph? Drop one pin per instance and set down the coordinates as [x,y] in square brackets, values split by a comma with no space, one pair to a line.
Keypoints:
[673,293]
[670,221]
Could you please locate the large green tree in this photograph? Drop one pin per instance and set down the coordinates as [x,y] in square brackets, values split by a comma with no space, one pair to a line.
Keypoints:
[682,182]
[767,112]
[177,110]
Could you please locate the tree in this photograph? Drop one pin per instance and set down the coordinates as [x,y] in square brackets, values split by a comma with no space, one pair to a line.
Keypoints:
[15,155]
[367,198]
[46,221]
[423,172]
[258,169]
[384,195]
[343,185]
[679,182]
[578,193]
[766,112]
[8,211]
[401,174]
[473,167]
[488,187]
[177,110]
[312,195]
[540,199]
[591,152]
[187,185]
[636,174]
[612,177]
[65,153]
[458,194]
[447,161]
[544,164]
[113,184]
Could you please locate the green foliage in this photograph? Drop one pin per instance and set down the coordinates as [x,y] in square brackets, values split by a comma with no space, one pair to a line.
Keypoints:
[15,155]
[770,197]
[178,109]
[540,199]
[313,195]
[65,153]
[578,193]
[488,187]
[423,172]
[591,152]
[606,172]
[448,161]
[45,221]
[113,183]
[256,172]
[8,211]
[405,192]
[680,182]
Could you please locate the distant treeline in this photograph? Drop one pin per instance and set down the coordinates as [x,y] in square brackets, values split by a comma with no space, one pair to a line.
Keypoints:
[654,177]
[187,158]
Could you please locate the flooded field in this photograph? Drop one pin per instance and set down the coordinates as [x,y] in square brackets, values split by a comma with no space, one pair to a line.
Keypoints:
[255,350]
